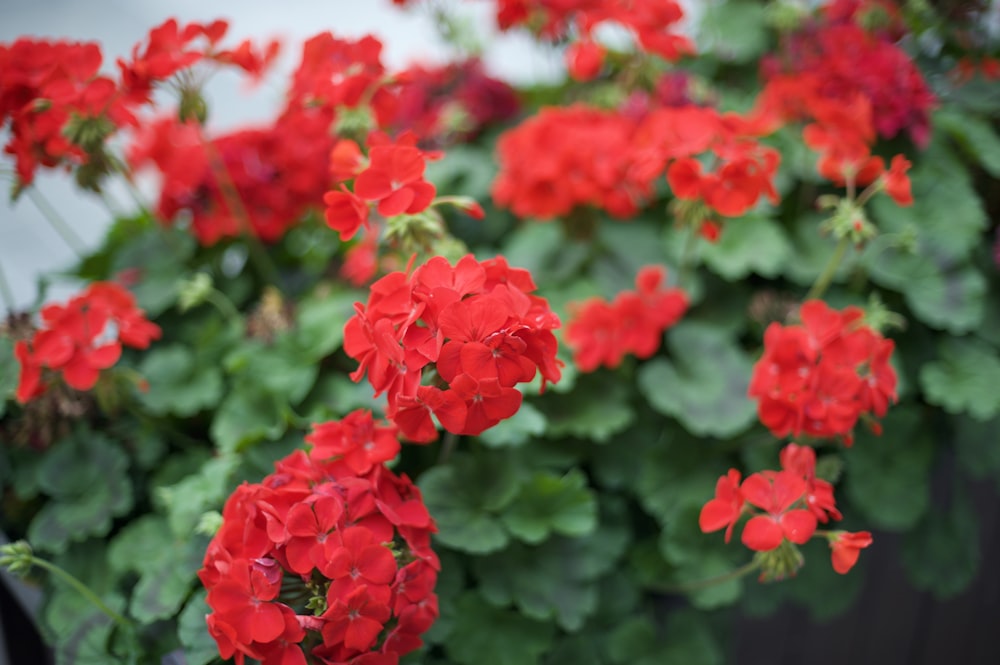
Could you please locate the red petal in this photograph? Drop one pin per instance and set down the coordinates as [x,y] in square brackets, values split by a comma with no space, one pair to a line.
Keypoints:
[798,526]
[762,534]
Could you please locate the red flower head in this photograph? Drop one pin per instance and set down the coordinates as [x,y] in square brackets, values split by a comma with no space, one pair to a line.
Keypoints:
[776,494]
[476,324]
[82,338]
[347,534]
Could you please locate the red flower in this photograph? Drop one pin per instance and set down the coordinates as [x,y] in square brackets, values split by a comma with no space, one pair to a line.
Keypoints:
[776,494]
[394,179]
[897,184]
[727,506]
[601,333]
[356,440]
[846,548]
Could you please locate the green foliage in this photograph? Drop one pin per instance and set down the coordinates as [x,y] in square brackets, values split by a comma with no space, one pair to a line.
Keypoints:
[178,383]
[888,475]
[549,504]
[512,639]
[964,380]
[466,498]
[750,244]
[705,386]
[85,478]
[942,554]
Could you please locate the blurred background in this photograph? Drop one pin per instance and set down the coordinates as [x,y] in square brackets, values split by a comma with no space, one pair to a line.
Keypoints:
[29,247]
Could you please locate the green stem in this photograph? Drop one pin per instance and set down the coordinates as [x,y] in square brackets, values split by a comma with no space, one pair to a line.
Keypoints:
[82,589]
[688,587]
[687,262]
[64,230]
[448,443]
[826,277]
[6,294]
[225,306]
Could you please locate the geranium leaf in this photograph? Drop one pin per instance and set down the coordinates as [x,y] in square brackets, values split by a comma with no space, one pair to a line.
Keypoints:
[705,386]
[965,379]
[888,474]
[486,635]
[549,503]
[942,553]
[179,384]
[751,244]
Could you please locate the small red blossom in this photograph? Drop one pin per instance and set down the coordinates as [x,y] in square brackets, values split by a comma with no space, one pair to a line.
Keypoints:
[601,333]
[777,494]
[845,548]
[727,506]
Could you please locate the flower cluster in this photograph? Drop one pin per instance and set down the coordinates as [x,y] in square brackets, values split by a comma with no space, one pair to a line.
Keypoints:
[568,157]
[785,507]
[452,102]
[819,378]
[319,558]
[390,180]
[61,110]
[81,338]
[257,181]
[601,333]
[475,324]
[652,23]
[840,61]
[562,158]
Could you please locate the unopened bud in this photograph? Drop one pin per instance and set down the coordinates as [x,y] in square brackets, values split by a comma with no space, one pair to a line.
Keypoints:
[782,562]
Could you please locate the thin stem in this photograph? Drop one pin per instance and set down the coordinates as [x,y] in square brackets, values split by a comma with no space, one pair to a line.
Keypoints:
[826,277]
[5,292]
[258,255]
[64,230]
[687,262]
[83,590]
[448,444]
[688,587]
[225,306]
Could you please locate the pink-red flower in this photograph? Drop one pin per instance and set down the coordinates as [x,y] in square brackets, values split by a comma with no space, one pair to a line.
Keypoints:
[845,548]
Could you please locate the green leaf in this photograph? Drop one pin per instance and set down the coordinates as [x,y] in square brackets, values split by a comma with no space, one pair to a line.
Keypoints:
[974,135]
[944,295]
[86,475]
[199,646]
[977,446]
[320,321]
[165,584]
[207,489]
[282,369]
[465,497]
[10,371]
[965,379]
[947,215]
[247,415]
[887,476]
[548,503]
[705,387]
[544,250]
[942,553]
[178,383]
[676,474]
[485,635]
[517,430]
[161,256]
[596,409]
[751,244]
[734,31]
